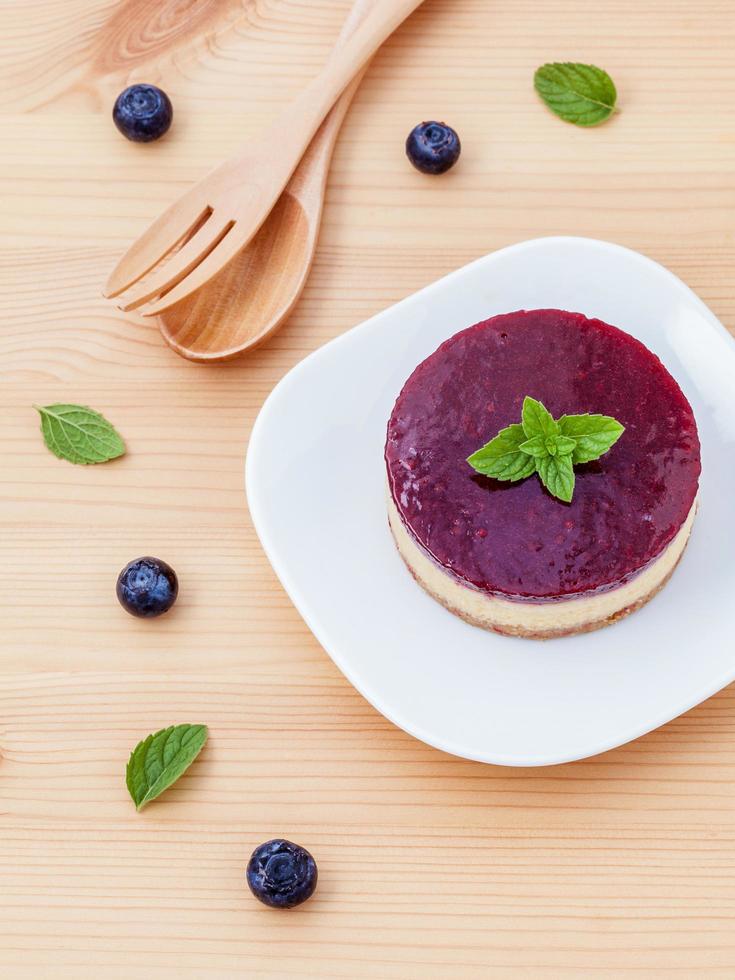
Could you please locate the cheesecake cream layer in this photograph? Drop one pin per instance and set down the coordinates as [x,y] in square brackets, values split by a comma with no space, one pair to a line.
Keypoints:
[559,617]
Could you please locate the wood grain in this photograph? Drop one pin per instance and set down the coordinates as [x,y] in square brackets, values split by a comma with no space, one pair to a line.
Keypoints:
[431,867]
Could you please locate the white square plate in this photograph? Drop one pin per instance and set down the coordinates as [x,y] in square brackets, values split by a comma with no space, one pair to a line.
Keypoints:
[315,485]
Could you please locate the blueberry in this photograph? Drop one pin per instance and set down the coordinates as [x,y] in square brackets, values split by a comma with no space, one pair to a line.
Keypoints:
[281,874]
[147,587]
[433,147]
[142,113]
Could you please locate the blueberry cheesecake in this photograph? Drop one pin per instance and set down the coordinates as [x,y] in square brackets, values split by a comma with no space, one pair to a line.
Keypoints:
[542,471]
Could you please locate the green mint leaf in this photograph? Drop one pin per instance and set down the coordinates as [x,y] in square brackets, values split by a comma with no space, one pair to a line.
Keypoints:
[536,419]
[581,94]
[79,434]
[501,458]
[593,435]
[565,445]
[158,761]
[549,448]
[535,447]
[557,475]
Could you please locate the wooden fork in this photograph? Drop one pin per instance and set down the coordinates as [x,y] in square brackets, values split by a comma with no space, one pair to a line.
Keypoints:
[201,232]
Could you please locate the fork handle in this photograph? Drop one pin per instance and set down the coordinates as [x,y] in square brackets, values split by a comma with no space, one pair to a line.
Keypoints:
[310,176]
[346,60]
[293,130]
[358,12]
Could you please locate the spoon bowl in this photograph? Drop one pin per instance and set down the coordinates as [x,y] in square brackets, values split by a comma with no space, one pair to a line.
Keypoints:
[249,299]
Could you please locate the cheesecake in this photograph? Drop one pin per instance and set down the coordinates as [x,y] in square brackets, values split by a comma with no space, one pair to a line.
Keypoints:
[510,556]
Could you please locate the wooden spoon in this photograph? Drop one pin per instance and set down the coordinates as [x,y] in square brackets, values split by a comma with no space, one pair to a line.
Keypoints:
[254,294]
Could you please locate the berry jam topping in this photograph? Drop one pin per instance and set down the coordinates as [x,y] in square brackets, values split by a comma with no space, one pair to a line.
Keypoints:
[627,506]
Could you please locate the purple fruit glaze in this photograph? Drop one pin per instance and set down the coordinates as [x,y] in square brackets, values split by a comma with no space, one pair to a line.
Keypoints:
[514,539]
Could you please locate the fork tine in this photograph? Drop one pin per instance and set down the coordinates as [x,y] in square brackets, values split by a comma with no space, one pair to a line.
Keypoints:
[170,272]
[225,250]
[176,224]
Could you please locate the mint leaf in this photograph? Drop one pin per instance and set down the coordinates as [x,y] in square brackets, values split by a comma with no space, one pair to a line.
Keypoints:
[548,446]
[593,435]
[557,475]
[536,419]
[581,94]
[158,761]
[565,445]
[544,446]
[534,447]
[79,434]
[501,458]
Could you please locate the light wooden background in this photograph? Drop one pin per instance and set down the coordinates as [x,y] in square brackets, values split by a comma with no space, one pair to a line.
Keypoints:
[431,867]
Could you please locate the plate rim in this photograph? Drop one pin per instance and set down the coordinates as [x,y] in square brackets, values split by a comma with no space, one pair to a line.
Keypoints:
[304,606]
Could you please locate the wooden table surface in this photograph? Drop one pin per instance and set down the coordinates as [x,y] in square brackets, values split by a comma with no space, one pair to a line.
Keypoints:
[431,867]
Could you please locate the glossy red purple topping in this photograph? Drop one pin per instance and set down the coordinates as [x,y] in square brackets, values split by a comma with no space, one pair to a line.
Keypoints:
[514,539]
